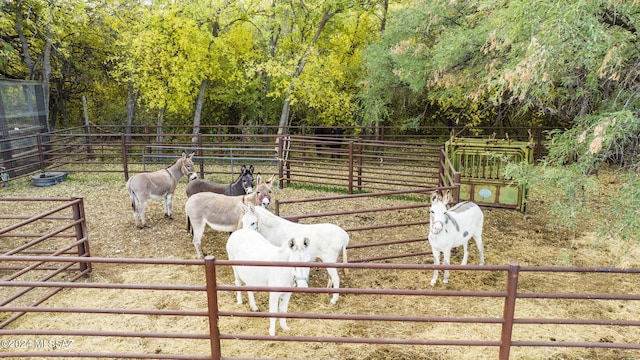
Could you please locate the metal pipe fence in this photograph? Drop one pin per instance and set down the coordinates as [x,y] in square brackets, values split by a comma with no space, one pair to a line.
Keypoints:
[357,165]
[506,322]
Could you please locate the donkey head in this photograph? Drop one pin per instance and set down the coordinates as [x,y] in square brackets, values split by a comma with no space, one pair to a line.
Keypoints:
[246,178]
[187,167]
[249,218]
[299,248]
[437,213]
[264,190]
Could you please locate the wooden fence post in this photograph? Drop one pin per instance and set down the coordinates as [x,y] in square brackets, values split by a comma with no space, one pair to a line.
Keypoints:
[509,311]
[212,301]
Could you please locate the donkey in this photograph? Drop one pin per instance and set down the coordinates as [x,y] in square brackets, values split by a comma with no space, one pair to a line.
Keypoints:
[327,240]
[159,184]
[248,245]
[221,212]
[242,185]
[451,228]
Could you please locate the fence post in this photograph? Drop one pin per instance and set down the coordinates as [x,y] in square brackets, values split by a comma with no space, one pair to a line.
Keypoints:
[212,301]
[360,163]
[509,311]
[350,189]
[40,151]
[125,163]
[281,158]
[200,154]
[443,167]
[81,232]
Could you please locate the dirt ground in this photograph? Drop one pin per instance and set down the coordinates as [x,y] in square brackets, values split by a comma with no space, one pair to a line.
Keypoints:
[509,236]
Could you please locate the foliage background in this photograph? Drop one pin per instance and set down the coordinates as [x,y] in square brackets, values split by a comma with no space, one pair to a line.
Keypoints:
[570,65]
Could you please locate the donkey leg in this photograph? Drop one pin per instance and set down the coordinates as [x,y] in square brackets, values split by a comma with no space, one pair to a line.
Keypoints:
[465,256]
[167,206]
[436,261]
[274,298]
[252,301]
[334,279]
[141,208]
[238,282]
[480,245]
[198,232]
[134,208]
[283,308]
[446,261]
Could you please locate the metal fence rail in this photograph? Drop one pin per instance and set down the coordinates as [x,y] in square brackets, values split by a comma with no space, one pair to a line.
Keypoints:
[507,297]
[353,164]
[41,235]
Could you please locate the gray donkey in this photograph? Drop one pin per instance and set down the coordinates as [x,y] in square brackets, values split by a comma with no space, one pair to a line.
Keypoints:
[158,184]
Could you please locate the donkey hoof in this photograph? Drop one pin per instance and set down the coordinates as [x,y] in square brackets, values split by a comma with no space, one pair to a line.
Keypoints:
[433,282]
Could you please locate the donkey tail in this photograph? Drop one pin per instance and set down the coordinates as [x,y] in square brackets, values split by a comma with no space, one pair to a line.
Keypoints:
[344,259]
[189,229]
[132,194]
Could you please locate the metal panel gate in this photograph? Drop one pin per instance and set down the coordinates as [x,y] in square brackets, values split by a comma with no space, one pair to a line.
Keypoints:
[481,164]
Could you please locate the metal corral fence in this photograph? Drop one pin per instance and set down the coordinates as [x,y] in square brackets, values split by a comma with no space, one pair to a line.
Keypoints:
[105,326]
[59,232]
[502,331]
[367,159]
[354,165]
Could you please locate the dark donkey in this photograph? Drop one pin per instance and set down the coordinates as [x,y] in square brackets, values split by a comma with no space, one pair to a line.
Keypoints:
[241,186]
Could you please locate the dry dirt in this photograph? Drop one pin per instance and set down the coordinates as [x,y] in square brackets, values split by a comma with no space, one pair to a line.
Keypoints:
[509,236]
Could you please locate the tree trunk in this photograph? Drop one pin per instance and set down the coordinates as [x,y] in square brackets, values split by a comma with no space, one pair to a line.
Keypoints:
[286,106]
[198,113]
[131,108]
[159,137]
[46,66]
[23,40]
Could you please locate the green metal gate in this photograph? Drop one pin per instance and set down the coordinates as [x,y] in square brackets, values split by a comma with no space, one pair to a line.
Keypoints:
[481,164]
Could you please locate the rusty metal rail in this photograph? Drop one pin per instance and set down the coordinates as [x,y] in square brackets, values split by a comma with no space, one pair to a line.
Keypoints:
[509,296]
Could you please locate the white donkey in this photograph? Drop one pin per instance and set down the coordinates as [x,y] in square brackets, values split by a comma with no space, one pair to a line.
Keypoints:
[451,228]
[327,240]
[221,212]
[159,184]
[248,245]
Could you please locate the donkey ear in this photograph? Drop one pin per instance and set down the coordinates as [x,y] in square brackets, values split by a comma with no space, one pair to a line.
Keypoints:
[184,154]
[271,179]
[243,169]
[251,168]
[258,179]
[447,197]
[434,196]
[244,207]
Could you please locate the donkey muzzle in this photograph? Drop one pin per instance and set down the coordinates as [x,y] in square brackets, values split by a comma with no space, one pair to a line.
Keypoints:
[437,226]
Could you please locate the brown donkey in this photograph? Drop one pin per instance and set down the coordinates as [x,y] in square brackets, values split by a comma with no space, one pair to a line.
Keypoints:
[221,212]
